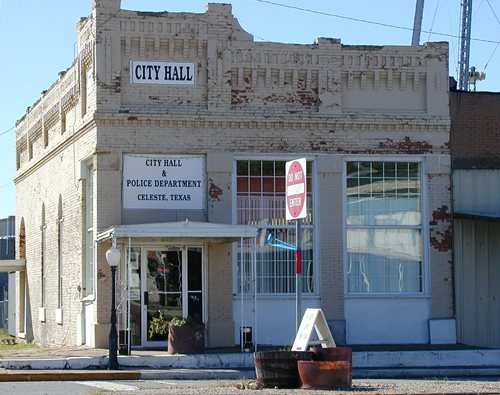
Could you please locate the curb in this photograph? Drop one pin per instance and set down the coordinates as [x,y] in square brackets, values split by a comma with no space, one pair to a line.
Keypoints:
[69,375]
[198,374]
[143,374]
[415,373]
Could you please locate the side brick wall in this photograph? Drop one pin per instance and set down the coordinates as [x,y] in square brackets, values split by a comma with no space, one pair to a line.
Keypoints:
[475,117]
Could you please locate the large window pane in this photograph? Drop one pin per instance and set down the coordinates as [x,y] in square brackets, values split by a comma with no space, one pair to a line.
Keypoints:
[261,202]
[384,235]
[261,193]
[275,266]
[383,193]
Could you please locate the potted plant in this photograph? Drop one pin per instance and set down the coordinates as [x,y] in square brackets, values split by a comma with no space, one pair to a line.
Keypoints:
[185,335]
[158,326]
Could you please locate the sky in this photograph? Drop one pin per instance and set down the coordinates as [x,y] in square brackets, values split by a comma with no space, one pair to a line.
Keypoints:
[38,37]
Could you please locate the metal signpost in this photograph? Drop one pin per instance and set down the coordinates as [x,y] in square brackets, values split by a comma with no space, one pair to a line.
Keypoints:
[296,208]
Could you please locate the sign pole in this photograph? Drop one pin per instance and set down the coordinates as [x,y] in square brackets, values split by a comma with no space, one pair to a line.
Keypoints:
[298,273]
[296,209]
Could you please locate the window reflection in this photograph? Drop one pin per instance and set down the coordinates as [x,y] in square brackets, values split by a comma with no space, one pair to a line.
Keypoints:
[384,237]
[261,202]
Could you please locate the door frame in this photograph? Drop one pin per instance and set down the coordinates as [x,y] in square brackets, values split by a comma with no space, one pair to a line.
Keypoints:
[183,248]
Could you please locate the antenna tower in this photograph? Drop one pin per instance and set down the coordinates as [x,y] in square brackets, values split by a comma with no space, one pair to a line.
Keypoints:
[465,28]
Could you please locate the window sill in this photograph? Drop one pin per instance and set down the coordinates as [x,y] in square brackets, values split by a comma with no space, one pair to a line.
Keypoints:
[276,296]
[387,296]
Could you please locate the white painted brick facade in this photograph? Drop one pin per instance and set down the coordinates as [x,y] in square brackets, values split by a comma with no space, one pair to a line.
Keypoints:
[326,100]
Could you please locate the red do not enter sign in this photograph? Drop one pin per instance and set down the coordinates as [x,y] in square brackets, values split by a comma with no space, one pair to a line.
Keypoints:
[296,189]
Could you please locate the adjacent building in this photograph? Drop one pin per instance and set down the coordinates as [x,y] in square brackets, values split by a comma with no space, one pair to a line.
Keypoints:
[475,148]
[7,252]
[168,135]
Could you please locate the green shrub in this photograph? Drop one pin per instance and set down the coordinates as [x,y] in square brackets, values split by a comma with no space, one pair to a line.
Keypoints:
[158,325]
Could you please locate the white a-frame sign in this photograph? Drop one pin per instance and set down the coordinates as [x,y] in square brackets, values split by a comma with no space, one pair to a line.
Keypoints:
[313,319]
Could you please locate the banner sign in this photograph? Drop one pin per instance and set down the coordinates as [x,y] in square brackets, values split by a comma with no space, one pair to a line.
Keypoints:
[162,73]
[158,182]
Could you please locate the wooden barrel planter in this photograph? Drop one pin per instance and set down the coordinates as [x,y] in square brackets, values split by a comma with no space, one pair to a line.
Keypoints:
[332,354]
[325,374]
[279,368]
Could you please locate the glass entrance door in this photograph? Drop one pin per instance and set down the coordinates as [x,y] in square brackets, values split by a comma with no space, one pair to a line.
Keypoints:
[172,284]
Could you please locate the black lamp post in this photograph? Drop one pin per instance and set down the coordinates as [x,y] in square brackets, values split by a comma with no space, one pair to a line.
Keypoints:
[113,257]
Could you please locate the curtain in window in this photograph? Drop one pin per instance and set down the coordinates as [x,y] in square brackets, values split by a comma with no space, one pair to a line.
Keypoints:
[384,227]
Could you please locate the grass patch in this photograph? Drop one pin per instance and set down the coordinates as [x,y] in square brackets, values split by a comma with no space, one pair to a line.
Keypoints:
[4,334]
[6,347]
[17,346]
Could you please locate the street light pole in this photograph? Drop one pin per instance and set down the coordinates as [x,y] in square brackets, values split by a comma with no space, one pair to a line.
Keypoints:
[113,257]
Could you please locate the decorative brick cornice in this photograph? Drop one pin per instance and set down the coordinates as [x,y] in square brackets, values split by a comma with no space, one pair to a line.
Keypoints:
[346,122]
[47,157]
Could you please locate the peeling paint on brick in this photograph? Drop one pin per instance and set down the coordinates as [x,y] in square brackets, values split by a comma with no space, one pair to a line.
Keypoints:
[320,145]
[441,237]
[214,191]
[407,145]
[274,98]
[101,275]
[341,150]
[307,99]
[240,96]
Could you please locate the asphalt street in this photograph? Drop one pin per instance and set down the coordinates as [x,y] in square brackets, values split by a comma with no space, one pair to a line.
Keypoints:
[489,385]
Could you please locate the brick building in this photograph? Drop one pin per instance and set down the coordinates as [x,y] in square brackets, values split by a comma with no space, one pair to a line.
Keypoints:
[169,134]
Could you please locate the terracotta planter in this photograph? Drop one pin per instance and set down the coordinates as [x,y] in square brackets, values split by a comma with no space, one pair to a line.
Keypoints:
[332,354]
[279,368]
[325,374]
[186,339]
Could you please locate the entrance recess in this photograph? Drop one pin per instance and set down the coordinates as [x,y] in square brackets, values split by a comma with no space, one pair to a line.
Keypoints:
[172,283]
[183,296]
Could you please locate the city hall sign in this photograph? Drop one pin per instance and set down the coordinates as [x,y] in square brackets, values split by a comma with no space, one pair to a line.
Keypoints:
[162,73]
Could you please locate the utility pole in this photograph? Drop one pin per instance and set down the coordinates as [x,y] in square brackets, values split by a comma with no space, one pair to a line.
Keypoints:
[417,22]
[465,28]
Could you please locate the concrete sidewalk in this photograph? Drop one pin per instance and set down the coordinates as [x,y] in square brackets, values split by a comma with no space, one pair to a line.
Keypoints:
[82,363]
[34,364]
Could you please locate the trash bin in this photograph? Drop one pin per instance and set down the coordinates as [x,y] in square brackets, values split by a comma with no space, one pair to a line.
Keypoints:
[124,342]
[246,338]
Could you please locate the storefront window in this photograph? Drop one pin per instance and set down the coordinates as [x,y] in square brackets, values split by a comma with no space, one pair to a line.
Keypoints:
[384,227]
[261,203]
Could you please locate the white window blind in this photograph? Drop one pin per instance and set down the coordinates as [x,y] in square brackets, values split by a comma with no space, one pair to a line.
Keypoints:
[384,227]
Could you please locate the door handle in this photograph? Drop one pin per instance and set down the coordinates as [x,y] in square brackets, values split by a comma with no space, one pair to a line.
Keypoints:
[146,298]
